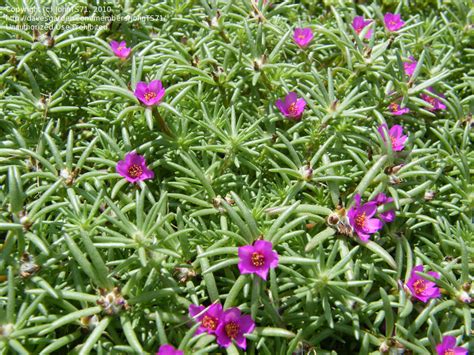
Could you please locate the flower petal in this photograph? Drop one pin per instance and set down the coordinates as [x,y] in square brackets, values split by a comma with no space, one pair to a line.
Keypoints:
[247,325]
[263,273]
[122,168]
[369,208]
[281,106]
[290,98]
[241,341]
[155,86]
[373,225]
[194,310]
[449,341]
[140,90]
[396,131]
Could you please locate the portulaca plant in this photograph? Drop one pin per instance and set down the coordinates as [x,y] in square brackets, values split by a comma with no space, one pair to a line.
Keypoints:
[225,177]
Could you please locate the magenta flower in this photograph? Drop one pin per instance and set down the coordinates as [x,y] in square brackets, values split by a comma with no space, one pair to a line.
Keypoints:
[150,94]
[448,347]
[433,101]
[410,66]
[167,349]
[397,110]
[291,107]
[359,23]
[258,258]
[396,136]
[360,218]
[120,49]
[421,288]
[233,326]
[393,22]
[133,168]
[302,36]
[209,317]
[382,199]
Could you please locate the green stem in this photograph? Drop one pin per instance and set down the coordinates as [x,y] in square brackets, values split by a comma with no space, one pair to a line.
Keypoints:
[163,125]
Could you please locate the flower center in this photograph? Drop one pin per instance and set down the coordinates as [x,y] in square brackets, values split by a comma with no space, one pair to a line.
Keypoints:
[393,23]
[232,330]
[135,171]
[419,286]
[209,322]
[431,100]
[301,36]
[393,139]
[394,106]
[449,352]
[121,48]
[292,108]
[150,95]
[360,220]
[258,259]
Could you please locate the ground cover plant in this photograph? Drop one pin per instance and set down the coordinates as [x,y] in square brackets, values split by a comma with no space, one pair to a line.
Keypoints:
[193,177]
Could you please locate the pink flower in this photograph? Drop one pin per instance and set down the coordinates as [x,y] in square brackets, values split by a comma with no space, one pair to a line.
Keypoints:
[396,110]
[395,135]
[258,258]
[421,288]
[233,326]
[359,24]
[133,168]
[382,199]
[393,22]
[150,94]
[167,349]
[291,107]
[433,101]
[302,36]
[410,66]
[360,218]
[120,49]
[208,317]
[448,347]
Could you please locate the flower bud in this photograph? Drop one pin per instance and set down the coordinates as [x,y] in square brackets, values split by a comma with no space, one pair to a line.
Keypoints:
[384,347]
[306,172]
[464,297]
[25,221]
[112,301]
[89,322]
[6,330]
[184,274]
[429,195]
[28,266]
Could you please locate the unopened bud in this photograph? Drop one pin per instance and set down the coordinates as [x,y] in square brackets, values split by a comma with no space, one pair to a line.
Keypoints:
[429,195]
[384,347]
[464,297]
[112,301]
[90,322]
[6,330]
[306,172]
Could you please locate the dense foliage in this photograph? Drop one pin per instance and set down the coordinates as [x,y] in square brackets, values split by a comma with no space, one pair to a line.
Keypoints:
[91,262]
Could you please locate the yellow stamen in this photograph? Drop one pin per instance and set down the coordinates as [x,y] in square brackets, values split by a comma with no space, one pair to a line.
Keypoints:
[135,171]
[232,330]
[258,259]
[292,109]
[209,322]
[150,95]
[419,286]
[360,220]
